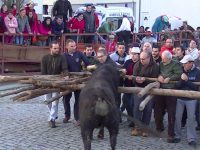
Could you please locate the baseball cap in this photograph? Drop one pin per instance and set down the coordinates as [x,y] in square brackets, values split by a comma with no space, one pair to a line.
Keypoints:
[111,36]
[135,50]
[186,58]
[149,30]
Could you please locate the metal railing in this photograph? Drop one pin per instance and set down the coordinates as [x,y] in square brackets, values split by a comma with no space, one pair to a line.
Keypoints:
[178,36]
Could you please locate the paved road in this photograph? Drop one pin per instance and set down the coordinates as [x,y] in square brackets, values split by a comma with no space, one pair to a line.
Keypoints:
[23,126]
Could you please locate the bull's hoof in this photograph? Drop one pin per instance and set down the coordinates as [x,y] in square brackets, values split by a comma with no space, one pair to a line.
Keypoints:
[100,136]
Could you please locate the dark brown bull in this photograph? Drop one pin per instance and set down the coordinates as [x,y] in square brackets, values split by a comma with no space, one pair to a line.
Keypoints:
[98,105]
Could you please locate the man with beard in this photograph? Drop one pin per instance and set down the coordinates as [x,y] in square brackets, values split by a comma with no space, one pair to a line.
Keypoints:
[53,64]
[155,54]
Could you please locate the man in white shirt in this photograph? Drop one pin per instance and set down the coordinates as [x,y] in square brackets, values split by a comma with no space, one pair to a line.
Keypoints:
[192,50]
[124,31]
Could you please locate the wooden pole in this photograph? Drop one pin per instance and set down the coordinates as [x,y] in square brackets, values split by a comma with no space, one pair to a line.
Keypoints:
[17,91]
[13,78]
[56,97]
[145,90]
[156,79]
[145,102]
[162,92]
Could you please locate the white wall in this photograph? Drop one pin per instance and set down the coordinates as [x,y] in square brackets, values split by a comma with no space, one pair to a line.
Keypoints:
[186,9]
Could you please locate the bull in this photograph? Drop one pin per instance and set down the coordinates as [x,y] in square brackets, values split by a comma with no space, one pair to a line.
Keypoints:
[98,105]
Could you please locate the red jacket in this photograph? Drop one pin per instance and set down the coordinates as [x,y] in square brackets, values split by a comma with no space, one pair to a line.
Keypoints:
[2,14]
[75,24]
[96,20]
[14,12]
[43,30]
[110,47]
[164,48]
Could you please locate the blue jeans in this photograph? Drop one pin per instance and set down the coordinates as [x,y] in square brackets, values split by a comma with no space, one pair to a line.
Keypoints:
[19,40]
[191,122]
[145,115]
[66,103]
[128,103]
[197,113]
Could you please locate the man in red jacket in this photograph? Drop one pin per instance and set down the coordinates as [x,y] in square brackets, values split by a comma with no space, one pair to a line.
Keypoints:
[167,46]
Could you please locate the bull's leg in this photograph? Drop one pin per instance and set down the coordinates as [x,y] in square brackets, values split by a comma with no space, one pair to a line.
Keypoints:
[86,136]
[101,133]
[113,137]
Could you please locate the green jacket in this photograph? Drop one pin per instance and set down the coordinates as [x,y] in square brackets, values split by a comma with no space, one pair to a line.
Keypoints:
[173,71]
[105,28]
[92,60]
[53,65]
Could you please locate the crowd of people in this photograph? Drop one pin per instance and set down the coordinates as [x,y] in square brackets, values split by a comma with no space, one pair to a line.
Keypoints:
[141,59]
[25,21]
[167,63]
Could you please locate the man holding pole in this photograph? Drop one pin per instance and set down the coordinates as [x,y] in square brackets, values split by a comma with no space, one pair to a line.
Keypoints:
[53,64]
[169,71]
[190,74]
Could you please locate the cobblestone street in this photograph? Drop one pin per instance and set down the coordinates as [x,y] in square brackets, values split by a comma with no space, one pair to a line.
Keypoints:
[24,126]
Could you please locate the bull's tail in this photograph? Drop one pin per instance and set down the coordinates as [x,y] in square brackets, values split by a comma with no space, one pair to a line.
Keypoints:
[101,107]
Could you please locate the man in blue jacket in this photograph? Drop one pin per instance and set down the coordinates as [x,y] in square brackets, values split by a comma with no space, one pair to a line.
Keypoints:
[74,59]
[190,74]
[57,27]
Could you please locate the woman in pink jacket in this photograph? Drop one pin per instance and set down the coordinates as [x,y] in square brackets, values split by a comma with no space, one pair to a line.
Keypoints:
[11,25]
[45,29]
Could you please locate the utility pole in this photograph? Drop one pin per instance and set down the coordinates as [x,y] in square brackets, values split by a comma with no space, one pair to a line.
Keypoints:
[139,17]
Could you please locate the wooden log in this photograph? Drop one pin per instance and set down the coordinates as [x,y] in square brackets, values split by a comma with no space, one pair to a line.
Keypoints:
[156,79]
[25,81]
[145,102]
[17,91]
[162,92]
[85,73]
[14,98]
[13,78]
[56,97]
[73,87]
[147,88]
[42,91]
[35,93]
[77,81]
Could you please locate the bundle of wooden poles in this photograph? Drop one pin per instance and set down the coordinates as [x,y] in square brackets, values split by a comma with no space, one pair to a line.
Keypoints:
[38,85]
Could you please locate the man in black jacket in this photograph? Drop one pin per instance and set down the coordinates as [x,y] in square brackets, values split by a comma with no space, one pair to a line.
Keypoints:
[53,64]
[61,8]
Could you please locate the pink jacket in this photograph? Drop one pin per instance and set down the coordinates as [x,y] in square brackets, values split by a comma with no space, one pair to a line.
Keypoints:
[43,30]
[11,24]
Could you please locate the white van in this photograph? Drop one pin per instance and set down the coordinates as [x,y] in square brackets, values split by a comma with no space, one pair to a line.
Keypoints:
[116,13]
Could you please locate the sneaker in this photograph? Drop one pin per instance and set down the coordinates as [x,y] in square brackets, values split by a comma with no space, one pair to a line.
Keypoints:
[66,119]
[192,143]
[52,124]
[144,134]
[77,123]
